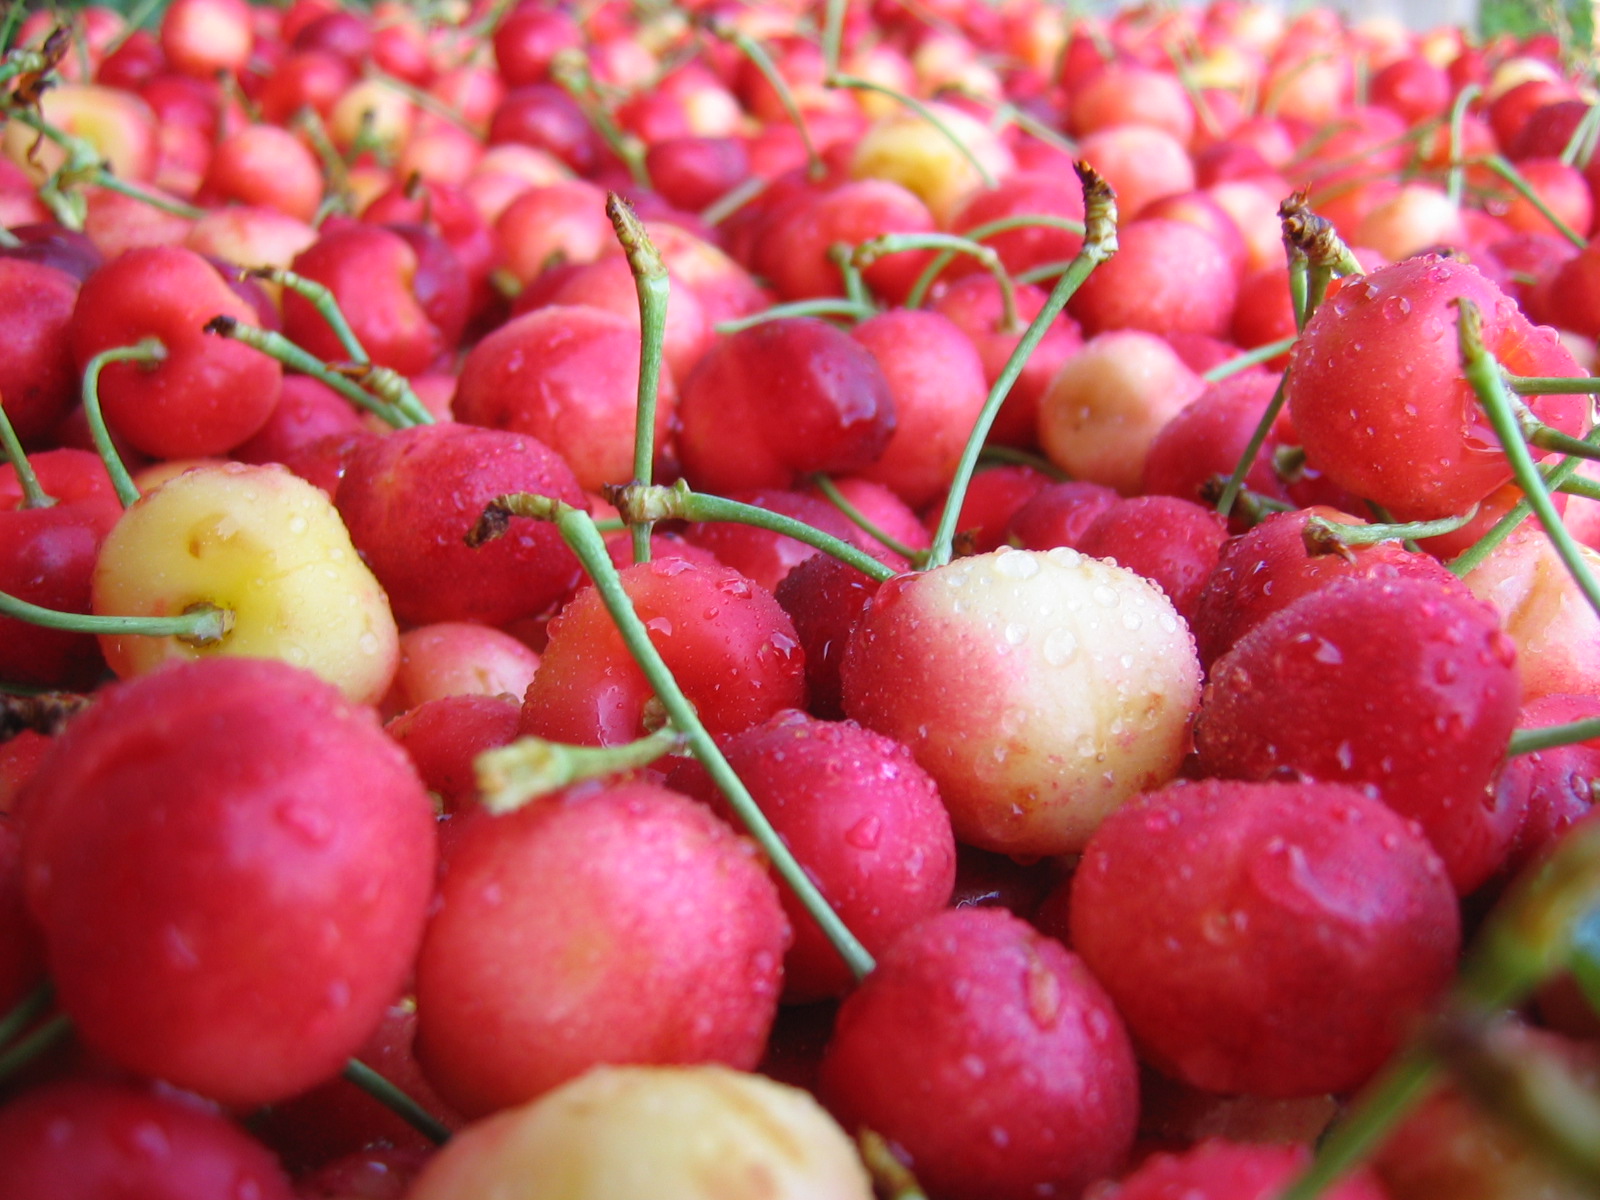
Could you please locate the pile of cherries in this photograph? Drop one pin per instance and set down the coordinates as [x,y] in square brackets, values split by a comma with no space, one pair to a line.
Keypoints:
[796,599]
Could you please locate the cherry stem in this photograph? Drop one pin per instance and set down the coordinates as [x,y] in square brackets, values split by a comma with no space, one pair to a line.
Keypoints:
[322,299]
[1251,358]
[23,1051]
[891,1178]
[1258,438]
[570,70]
[1016,456]
[1322,535]
[654,288]
[424,100]
[1580,485]
[978,233]
[396,1101]
[832,34]
[1556,476]
[824,306]
[1483,373]
[842,255]
[816,169]
[949,245]
[681,503]
[33,494]
[1552,385]
[275,345]
[84,165]
[1455,180]
[732,200]
[578,531]
[509,777]
[1099,244]
[1529,1088]
[146,350]
[1580,146]
[854,83]
[337,196]
[26,1011]
[1010,114]
[1407,1080]
[1502,167]
[200,625]
[1546,737]
[859,519]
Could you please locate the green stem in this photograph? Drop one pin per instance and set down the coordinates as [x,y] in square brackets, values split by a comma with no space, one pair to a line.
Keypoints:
[1258,438]
[1251,358]
[1099,244]
[1546,737]
[275,345]
[1580,146]
[949,245]
[824,306]
[1552,385]
[731,201]
[979,233]
[842,255]
[816,169]
[321,299]
[26,1011]
[1502,167]
[396,1101]
[33,494]
[859,519]
[570,70]
[1400,1087]
[1483,373]
[199,625]
[509,777]
[833,34]
[22,1052]
[1323,532]
[680,503]
[654,288]
[147,350]
[985,176]
[578,531]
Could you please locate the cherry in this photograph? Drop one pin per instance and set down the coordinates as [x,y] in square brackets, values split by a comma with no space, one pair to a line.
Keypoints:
[409,499]
[1419,443]
[989,1056]
[1172,542]
[1215,1169]
[1167,275]
[38,380]
[444,735]
[838,414]
[90,1137]
[732,649]
[1215,914]
[1271,566]
[864,820]
[1040,689]
[203,395]
[568,376]
[1399,685]
[938,387]
[609,923]
[156,922]
[47,557]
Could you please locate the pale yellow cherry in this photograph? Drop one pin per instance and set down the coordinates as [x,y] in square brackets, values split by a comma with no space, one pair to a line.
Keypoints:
[264,545]
[670,1133]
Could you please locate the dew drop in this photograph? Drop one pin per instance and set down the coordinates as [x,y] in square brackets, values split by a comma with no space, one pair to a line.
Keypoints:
[1016,564]
[865,833]
[1059,647]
